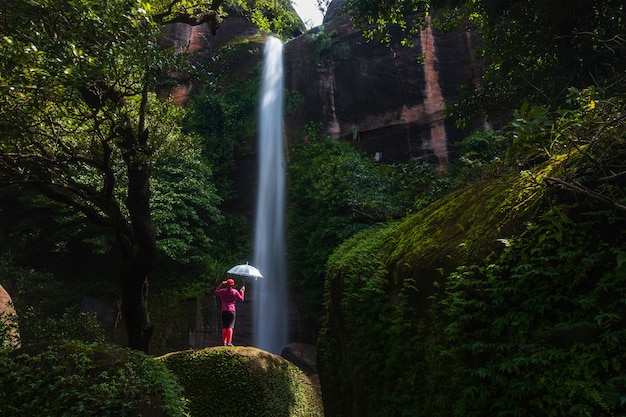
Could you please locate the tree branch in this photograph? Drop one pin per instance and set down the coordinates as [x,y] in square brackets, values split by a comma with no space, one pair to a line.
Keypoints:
[580,189]
[210,17]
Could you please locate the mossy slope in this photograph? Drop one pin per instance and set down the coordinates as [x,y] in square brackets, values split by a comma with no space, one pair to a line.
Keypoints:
[406,332]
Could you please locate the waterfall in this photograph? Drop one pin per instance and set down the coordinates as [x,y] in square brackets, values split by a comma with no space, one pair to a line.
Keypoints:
[270,292]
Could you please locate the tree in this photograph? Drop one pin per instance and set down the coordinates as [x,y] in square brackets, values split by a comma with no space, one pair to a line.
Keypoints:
[81,124]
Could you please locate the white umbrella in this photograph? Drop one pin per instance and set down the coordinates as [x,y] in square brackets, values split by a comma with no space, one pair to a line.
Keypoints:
[245,271]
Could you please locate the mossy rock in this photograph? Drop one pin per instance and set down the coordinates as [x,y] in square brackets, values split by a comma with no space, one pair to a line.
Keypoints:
[243,381]
[504,298]
[381,283]
[77,379]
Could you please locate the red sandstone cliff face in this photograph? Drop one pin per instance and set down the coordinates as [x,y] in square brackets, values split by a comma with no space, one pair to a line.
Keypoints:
[387,100]
[384,100]
[199,41]
[381,99]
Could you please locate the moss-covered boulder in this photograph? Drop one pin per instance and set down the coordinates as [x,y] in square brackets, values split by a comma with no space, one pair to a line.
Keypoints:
[243,381]
[506,298]
[76,379]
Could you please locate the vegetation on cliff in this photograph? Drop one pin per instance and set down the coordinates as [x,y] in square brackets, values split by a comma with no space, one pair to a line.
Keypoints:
[335,192]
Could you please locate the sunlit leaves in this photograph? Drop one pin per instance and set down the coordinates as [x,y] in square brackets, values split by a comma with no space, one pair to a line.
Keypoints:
[78,81]
[378,17]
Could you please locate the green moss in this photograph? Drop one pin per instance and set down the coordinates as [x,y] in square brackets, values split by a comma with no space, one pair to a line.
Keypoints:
[463,227]
[243,381]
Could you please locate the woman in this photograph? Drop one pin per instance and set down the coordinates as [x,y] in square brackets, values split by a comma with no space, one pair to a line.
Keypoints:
[229,297]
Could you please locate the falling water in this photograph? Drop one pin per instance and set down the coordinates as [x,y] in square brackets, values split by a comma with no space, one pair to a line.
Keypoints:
[270,296]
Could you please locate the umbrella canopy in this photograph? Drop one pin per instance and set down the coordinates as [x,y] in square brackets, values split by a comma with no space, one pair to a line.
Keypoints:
[245,271]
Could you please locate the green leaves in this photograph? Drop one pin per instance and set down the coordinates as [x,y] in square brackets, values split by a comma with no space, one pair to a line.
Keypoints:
[549,343]
[89,380]
[408,15]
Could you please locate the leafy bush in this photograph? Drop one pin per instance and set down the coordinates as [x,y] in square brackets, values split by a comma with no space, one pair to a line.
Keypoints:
[416,184]
[271,16]
[336,191]
[37,327]
[42,308]
[87,380]
[538,330]
[9,331]
[481,155]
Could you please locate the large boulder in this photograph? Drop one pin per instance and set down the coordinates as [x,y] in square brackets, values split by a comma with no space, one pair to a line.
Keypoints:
[303,355]
[243,381]
[504,298]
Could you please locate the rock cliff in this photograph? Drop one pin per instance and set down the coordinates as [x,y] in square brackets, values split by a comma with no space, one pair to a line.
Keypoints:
[199,41]
[386,100]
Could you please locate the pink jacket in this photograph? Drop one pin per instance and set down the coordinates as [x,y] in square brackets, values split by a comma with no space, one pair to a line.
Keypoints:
[229,297]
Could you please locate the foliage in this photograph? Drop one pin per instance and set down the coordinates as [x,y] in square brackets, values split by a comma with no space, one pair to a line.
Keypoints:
[223,112]
[223,115]
[416,184]
[81,123]
[336,191]
[325,47]
[272,16]
[357,265]
[37,326]
[377,17]
[183,218]
[536,329]
[591,128]
[480,155]
[259,384]
[537,50]
[87,380]
[45,308]
[320,214]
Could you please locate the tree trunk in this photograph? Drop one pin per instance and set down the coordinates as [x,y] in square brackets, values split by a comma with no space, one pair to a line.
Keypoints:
[140,253]
[135,308]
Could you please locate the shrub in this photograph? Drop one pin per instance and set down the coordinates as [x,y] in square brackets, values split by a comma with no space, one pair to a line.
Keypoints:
[96,380]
